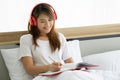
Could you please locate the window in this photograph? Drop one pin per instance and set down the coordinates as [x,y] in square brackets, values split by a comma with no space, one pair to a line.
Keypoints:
[71,13]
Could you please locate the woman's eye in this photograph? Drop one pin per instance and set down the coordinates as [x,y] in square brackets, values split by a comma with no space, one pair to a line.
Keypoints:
[42,21]
[50,20]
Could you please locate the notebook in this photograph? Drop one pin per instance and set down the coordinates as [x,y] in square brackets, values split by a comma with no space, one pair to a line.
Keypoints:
[70,66]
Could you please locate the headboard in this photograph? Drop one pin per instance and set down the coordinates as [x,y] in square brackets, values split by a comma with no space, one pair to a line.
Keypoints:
[93,39]
[83,33]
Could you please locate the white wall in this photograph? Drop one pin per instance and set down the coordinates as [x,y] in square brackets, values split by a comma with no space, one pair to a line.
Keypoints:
[15,14]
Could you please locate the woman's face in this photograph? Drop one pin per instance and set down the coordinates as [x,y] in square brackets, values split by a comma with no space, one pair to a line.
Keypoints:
[44,23]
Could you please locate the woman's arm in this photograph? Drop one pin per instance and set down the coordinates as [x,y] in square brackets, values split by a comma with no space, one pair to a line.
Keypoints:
[35,70]
[69,60]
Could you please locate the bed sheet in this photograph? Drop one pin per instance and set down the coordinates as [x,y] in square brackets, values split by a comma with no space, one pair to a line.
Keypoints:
[107,75]
[83,75]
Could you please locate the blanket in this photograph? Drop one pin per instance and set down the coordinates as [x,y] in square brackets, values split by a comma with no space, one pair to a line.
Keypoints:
[83,75]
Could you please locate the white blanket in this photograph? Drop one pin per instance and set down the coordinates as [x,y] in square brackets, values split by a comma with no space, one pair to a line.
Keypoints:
[83,75]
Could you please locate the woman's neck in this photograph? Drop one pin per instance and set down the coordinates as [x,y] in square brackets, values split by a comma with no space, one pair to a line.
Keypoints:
[43,37]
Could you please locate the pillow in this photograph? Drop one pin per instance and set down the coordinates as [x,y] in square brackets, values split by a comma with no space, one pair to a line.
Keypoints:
[74,50]
[14,66]
[106,61]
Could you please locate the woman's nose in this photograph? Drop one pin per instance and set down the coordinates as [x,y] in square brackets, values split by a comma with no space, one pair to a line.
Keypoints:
[47,23]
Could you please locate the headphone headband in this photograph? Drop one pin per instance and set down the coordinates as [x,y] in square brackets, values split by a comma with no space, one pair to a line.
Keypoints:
[33,21]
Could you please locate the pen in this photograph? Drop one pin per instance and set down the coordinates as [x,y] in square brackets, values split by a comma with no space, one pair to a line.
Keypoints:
[52,59]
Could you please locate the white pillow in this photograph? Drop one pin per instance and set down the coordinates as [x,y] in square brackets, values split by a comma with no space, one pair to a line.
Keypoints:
[106,61]
[74,50]
[14,66]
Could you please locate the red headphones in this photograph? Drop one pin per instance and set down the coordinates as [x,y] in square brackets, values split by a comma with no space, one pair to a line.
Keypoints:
[33,21]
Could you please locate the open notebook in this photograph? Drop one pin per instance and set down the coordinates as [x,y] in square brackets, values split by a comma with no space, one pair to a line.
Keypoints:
[70,66]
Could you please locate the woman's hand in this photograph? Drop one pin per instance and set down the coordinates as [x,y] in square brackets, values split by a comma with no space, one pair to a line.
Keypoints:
[55,66]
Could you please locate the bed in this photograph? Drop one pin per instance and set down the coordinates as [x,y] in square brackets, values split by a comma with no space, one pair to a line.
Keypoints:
[93,41]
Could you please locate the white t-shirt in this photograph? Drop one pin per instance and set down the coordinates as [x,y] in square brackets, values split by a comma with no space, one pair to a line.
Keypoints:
[42,53]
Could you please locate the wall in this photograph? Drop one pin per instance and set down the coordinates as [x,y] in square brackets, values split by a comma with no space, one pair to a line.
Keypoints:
[15,14]
[99,45]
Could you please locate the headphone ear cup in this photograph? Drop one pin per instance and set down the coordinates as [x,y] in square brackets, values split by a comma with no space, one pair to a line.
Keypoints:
[55,15]
[33,21]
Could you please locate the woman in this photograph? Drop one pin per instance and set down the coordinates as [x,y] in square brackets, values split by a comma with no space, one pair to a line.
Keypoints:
[44,49]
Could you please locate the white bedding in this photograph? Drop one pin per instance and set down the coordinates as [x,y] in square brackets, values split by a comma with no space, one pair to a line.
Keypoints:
[108,75]
[83,75]
[108,69]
